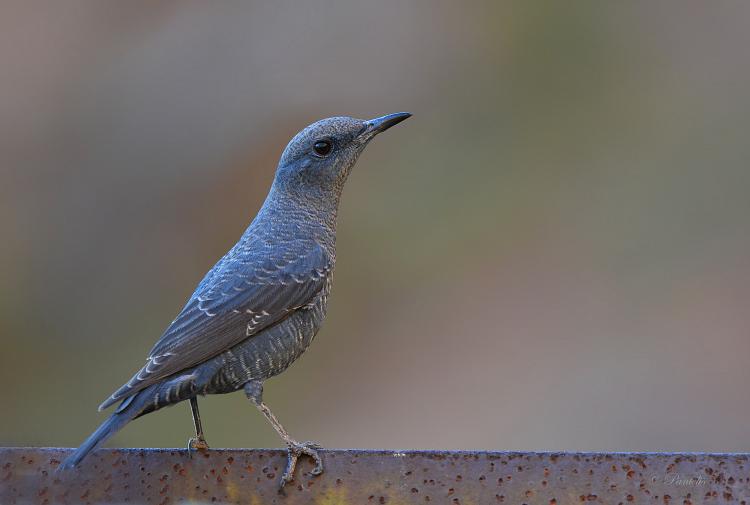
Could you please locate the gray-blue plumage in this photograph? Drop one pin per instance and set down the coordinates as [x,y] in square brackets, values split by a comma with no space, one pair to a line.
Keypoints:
[258,309]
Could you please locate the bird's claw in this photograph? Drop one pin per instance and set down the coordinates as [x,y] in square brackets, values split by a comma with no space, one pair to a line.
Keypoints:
[196,444]
[294,451]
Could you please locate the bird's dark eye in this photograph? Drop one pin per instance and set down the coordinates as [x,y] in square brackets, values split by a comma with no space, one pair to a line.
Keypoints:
[322,147]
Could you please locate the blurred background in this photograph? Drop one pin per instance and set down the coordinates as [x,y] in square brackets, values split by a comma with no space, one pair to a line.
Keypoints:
[552,254]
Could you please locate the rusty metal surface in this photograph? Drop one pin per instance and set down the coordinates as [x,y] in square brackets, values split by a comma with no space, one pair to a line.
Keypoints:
[27,475]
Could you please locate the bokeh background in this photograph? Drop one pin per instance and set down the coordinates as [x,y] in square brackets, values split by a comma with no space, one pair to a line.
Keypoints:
[552,254]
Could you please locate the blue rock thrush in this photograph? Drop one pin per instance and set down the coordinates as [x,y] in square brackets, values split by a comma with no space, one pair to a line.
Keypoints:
[259,307]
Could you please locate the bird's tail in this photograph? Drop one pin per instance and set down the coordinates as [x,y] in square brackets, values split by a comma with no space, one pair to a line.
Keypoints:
[128,410]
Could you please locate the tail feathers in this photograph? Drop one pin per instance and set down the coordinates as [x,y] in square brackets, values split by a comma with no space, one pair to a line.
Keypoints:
[112,425]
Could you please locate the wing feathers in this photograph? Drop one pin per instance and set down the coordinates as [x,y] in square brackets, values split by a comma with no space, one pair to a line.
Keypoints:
[236,300]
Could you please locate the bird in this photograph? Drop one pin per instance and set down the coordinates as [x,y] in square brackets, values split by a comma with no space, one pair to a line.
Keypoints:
[260,306]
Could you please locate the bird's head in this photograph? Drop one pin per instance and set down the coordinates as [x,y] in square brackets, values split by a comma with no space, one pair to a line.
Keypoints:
[318,159]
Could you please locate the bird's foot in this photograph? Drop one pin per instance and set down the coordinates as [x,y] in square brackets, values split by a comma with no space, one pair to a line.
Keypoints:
[196,444]
[294,451]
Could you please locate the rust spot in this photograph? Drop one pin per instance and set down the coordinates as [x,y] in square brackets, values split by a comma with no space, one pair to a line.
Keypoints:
[595,477]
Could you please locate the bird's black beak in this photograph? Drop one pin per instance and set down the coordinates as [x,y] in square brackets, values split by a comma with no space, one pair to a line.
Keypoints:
[381,124]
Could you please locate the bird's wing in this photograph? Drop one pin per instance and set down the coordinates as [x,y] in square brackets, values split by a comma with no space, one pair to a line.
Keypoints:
[236,300]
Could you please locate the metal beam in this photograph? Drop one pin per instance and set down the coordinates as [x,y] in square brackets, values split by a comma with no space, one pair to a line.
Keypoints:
[161,476]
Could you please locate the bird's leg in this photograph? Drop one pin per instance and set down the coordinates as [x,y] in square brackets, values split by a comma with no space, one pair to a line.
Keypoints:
[197,442]
[254,392]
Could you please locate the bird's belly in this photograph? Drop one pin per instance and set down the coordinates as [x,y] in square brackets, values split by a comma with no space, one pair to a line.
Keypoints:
[268,353]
